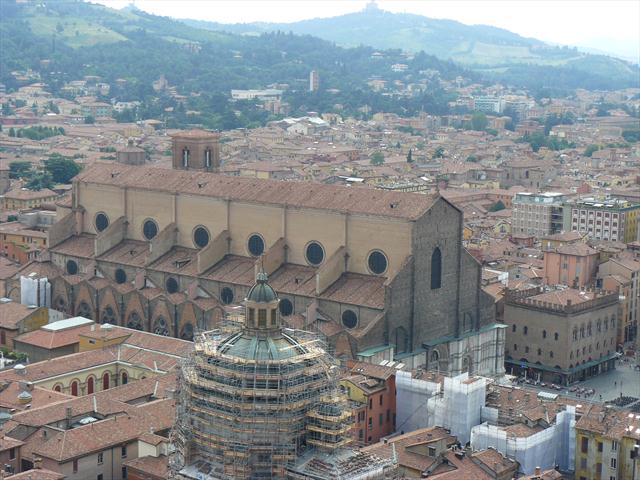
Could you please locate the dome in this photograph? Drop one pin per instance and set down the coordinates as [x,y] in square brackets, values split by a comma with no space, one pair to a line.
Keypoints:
[262,292]
[251,347]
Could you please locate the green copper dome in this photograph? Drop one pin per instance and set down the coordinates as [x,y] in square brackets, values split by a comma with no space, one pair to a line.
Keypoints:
[262,292]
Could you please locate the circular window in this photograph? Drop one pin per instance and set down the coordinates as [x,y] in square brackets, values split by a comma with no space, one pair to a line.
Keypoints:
[255,245]
[121,276]
[377,262]
[314,253]
[201,237]
[286,307]
[149,229]
[349,319]
[102,221]
[226,295]
[72,267]
[172,285]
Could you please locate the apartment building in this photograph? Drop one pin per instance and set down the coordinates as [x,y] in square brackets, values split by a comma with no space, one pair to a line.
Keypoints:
[613,219]
[607,445]
[538,214]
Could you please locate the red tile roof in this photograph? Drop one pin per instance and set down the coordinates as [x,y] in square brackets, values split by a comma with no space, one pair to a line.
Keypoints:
[366,201]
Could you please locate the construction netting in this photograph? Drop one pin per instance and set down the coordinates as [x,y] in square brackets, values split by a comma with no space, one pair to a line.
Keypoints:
[460,405]
[411,401]
[551,447]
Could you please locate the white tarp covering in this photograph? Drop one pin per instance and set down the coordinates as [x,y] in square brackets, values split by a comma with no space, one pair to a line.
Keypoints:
[35,291]
[459,408]
[411,401]
[545,449]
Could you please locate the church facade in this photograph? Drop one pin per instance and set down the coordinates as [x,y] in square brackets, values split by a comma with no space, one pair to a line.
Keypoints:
[383,275]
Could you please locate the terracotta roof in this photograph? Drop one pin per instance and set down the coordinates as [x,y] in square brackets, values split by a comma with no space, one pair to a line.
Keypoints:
[12,313]
[38,474]
[24,194]
[357,289]
[8,442]
[156,466]
[117,430]
[48,339]
[77,246]
[614,424]
[368,201]
[196,133]
[372,370]
[40,397]
[576,249]
[562,297]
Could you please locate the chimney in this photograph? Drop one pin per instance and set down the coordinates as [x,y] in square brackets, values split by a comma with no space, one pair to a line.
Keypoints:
[538,471]
[69,416]
[37,463]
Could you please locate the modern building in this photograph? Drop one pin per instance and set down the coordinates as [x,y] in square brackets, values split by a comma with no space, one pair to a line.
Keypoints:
[253,402]
[314,81]
[488,104]
[142,241]
[267,94]
[562,335]
[96,110]
[607,444]
[609,219]
[538,214]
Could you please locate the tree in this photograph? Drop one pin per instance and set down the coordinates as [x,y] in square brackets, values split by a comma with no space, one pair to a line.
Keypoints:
[479,121]
[472,159]
[62,169]
[496,207]
[409,157]
[39,181]
[89,119]
[631,135]
[439,153]
[12,132]
[19,169]
[377,158]
[590,150]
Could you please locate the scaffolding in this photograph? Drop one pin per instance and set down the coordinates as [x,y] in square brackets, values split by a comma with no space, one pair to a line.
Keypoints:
[244,416]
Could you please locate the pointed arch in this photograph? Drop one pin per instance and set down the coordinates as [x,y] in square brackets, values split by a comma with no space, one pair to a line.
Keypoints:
[436,269]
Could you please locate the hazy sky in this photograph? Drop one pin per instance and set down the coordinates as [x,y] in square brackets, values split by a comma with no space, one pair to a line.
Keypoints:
[608,25]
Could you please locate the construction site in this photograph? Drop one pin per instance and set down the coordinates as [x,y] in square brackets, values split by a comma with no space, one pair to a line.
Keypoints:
[261,401]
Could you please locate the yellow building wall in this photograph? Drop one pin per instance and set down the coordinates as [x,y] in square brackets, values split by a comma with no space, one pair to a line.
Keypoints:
[37,319]
[87,343]
[355,393]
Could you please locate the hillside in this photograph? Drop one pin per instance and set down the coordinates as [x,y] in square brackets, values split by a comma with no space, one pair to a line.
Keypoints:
[79,39]
[502,54]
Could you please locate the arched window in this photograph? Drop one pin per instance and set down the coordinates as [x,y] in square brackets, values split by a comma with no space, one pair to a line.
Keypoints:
[84,310]
[207,158]
[525,330]
[57,388]
[3,337]
[544,334]
[106,381]
[90,385]
[435,356]
[121,276]
[589,328]
[575,333]
[582,331]
[125,378]
[556,336]
[74,388]
[134,322]
[436,269]
[187,332]
[108,316]
[185,157]
[160,327]
[226,295]
[286,307]
[171,285]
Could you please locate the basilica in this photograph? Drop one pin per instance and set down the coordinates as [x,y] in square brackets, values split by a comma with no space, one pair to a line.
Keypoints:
[381,275]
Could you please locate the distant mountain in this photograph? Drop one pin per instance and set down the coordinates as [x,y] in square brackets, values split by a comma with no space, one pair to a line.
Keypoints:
[491,50]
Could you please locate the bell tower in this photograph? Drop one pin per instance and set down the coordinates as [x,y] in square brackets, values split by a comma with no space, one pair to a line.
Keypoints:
[196,150]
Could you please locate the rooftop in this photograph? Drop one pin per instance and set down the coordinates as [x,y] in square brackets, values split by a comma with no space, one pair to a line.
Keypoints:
[367,201]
